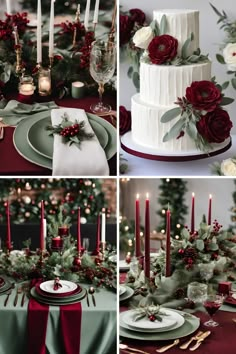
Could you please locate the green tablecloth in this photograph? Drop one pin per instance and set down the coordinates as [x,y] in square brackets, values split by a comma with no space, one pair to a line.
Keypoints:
[98,332]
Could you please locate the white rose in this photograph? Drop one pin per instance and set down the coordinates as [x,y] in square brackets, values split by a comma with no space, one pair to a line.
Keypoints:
[228,167]
[143,37]
[229,54]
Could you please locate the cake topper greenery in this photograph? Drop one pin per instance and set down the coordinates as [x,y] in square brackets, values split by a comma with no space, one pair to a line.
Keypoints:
[200,115]
[152,44]
[228,47]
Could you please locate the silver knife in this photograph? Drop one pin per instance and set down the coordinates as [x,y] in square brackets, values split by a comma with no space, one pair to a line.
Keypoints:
[199,342]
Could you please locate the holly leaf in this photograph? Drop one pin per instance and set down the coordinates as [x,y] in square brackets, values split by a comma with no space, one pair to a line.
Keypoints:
[163,25]
[200,245]
[171,114]
[226,100]
[175,130]
[220,58]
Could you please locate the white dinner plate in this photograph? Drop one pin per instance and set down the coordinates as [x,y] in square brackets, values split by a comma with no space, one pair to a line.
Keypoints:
[122,289]
[129,292]
[123,265]
[173,321]
[67,286]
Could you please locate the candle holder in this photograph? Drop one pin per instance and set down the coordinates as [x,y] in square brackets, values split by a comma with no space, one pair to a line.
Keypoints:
[63,230]
[77,260]
[111,36]
[57,244]
[44,81]
[77,20]
[26,85]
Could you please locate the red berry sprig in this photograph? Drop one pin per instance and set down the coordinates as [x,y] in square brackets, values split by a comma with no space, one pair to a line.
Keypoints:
[70,131]
[152,318]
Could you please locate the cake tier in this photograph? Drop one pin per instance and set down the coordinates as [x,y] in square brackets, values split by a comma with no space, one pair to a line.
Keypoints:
[181,23]
[148,131]
[162,85]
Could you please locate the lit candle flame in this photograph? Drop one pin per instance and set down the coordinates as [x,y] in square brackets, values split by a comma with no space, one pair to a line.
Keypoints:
[210,196]
[137,196]
[193,194]
[147,195]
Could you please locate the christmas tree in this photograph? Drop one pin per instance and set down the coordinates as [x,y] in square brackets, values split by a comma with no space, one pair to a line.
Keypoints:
[25,196]
[172,191]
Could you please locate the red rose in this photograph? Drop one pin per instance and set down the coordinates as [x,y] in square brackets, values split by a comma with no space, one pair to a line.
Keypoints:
[125,120]
[203,95]
[162,49]
[215,126]
[137,16]
[126,27]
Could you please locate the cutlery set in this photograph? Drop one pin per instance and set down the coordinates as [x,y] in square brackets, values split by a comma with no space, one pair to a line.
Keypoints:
[199,337]
[91,292]
[19,291]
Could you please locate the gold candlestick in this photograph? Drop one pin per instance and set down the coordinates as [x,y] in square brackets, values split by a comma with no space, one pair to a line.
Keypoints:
[111,36]
[77,20]
[103,248]
[19,68]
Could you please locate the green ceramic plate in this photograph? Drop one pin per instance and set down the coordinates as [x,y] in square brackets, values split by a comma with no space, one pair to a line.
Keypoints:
[58,301]
[23,148]
[42,143]
[190,325]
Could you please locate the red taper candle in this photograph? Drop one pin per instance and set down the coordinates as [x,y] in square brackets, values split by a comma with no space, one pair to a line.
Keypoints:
[8,243]
[209,209]
[98,234]
[137,227]
[147,239]
[192,214]
[78,232]
[168,270]
[42,227]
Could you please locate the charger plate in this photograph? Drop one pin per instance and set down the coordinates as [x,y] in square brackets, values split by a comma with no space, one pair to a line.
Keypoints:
[42,143]
[190,325]
[144,325]
[128,293]
[23,148]
[72,299]
[6,286]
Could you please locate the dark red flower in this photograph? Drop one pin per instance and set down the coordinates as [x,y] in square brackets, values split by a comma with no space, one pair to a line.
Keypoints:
[215,126]
[126,27]
[162,49]
[125,120]
[137,16]
[203,95]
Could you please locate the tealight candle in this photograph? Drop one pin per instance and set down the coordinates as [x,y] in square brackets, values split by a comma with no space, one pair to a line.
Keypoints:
[77,89]
[44,83]
[57,242]
[26,85]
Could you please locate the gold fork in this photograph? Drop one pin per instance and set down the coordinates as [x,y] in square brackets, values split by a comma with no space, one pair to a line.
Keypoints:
[196,337]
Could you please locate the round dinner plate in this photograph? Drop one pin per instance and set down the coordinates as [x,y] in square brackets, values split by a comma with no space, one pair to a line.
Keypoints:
[123,265]
[57,295]
[42,142]
[122,289]
[190,325]
[24,149]
[144,325]
[67,287]
[58,301]
[129,292]
[6,286]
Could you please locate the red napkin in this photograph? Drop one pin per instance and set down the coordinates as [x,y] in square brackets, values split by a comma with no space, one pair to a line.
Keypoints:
[37,324]
[230,300]
[70,321]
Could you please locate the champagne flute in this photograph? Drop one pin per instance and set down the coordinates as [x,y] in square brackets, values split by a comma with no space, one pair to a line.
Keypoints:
[212,304]
[102,67]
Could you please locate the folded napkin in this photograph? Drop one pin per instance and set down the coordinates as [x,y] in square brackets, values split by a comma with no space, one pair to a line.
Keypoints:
[15,111]
[87,160]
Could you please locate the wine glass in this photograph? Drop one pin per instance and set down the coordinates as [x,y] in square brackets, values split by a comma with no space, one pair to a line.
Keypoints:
[86,244]
[212,304]
[102,67]
[197,292]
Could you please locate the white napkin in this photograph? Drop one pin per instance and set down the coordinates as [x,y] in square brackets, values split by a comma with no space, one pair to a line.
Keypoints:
[88,160]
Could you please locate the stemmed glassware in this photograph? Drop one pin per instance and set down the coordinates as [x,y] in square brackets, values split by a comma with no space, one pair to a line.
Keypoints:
[102,67]
[86,244]
[212,304]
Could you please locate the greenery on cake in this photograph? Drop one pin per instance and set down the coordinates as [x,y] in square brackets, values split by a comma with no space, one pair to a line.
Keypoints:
[200,115]
[228,47]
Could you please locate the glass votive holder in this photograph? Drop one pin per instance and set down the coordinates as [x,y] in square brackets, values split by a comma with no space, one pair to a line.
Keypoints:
[197,292]
[77,89]
[26,85]
[63,230]
[44,82]
[57,244]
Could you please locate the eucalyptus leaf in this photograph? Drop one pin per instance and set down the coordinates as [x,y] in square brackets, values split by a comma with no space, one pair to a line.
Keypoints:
[191,130]
[233,82]
[163,25]
[193,58]
[215,9]
[213,246]
[226,100]
[175,130]
[171,114]
[225,85]
[220,58]
[184,52]
[200,245]
[130,72]
[155,28]
[136,80]
[185,233]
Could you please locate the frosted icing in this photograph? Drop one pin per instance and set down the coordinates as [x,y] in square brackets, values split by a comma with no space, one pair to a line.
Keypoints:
[161,84]
[181,23]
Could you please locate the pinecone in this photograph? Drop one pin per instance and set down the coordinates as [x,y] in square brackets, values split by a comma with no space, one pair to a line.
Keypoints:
[190,253]
[179,293]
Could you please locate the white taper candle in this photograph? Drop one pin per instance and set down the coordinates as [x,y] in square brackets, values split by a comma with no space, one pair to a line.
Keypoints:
[39,33]
[103,231]
[96,9]
[86,16]
[51,30]
[8,6]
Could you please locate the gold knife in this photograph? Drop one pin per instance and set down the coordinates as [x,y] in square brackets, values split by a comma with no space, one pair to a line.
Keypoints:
[200,340]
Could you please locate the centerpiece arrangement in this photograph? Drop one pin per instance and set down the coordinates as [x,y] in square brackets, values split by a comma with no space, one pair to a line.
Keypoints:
[60,255]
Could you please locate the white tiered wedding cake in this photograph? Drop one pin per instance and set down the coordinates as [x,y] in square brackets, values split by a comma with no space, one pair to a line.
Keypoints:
[168,67]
